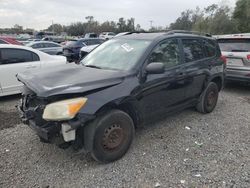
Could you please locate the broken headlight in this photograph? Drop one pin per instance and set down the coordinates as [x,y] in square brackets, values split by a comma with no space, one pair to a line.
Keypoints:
[63,110]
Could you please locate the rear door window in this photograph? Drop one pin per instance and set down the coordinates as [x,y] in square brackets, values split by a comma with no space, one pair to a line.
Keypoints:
[52,45]
[36,46]
[234,45]
[10,56]
[193,50]
[42,45]
[210,48]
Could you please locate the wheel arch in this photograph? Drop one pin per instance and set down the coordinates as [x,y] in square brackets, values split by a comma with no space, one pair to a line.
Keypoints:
[219,82]
[127,105]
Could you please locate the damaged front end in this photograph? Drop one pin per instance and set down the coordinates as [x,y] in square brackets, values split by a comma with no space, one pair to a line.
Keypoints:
[35,112]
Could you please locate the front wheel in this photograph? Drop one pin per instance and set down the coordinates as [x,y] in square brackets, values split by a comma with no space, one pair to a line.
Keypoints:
[209,99]
[113,135]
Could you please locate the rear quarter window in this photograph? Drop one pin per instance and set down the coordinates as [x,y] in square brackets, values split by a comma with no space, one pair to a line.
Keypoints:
[193,50]
[210,48]
[54,45]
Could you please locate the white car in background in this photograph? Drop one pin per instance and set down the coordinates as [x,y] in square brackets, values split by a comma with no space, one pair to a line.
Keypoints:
[15,59]
[236,49]
[107,35]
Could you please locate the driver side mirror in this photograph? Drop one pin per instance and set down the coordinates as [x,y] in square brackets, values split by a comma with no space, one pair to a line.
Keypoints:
[155,68]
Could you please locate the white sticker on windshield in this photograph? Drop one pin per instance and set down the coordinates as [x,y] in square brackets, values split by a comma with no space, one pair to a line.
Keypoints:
[127,47]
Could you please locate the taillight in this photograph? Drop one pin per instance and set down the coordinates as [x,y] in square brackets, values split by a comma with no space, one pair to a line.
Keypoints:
[224,59]
[248,57]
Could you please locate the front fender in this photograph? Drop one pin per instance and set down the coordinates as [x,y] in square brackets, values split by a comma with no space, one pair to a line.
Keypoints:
[116,95]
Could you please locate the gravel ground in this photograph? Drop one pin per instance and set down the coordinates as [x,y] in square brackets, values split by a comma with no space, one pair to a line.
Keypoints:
[184,150]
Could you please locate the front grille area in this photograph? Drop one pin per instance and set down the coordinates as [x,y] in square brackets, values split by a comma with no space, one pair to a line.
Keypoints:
[33,108]
[31,111]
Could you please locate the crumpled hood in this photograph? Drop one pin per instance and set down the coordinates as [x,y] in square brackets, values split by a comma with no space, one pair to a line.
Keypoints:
[68,79]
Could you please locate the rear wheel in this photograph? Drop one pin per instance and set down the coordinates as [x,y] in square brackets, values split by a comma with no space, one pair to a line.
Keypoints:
[113,135]
[209,99]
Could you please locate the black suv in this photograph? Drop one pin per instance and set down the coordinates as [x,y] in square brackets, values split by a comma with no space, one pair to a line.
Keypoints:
[122,84]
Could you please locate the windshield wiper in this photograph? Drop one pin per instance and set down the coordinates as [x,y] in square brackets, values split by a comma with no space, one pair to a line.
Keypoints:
[93,66]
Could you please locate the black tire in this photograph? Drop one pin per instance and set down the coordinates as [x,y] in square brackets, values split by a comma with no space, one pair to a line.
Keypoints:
[209,99]
[113,135]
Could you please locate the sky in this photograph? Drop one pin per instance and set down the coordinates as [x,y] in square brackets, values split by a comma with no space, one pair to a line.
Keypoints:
[39,14]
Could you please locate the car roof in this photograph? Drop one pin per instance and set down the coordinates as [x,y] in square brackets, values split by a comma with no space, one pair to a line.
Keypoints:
[161,35]
[39,42]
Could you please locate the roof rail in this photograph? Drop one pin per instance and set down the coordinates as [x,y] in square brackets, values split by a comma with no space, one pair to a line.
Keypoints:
[132,32]
[171,32]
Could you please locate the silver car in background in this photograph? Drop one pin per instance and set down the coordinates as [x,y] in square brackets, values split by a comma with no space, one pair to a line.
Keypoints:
[236,49]
[51,48]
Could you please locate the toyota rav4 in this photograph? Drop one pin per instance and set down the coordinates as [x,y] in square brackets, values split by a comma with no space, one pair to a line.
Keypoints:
[121,85]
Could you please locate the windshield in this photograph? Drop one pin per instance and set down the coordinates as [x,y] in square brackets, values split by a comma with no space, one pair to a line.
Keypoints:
[234,45]
[117,54]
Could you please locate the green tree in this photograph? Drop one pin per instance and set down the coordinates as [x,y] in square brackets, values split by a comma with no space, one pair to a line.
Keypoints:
[242,15]
[131,24]
[57,28]
[221,22]
[122,27]
[213,19]
[184,22]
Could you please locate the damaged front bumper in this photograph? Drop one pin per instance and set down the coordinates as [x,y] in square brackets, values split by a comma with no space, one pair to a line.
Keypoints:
[32,116]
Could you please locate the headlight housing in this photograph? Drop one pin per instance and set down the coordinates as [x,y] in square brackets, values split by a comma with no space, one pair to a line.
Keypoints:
[63,110]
